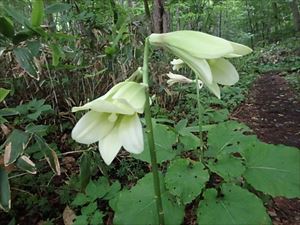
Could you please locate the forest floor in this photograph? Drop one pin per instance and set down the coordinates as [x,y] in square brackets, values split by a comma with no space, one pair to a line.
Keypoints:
[272,111]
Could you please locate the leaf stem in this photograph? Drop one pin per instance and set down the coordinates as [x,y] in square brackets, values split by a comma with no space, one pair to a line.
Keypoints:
[149,132]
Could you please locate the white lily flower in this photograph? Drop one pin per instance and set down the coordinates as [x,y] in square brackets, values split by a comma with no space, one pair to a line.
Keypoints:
[113,121]
[204,54]
[177,78]
[177,64]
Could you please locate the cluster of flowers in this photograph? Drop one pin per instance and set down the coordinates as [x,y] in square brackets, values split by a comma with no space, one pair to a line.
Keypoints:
[112,119]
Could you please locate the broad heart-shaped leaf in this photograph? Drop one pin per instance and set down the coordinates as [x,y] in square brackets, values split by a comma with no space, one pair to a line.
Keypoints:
[186,179]
[137,206]
[225,138]
[236,206]
[227,166]
[4,190]
[26,61]
[189,141]
[164,139]
[274,170]
[15,145]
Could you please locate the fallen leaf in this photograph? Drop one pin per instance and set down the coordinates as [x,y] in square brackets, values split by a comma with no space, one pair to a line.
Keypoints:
[68,216]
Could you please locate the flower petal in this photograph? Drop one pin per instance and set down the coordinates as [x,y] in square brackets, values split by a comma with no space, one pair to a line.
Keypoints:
[177,78]
[238,50]
[199,66]
[133,94]
[92,127]
[110,145]
[177,64]
[103,105]
[131,134]
[223,71]
[215,89]
[197,44]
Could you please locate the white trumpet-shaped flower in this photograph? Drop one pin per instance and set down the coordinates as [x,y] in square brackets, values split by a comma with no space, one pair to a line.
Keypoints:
[112,120]
[177,78]
[177,64]
[204,54]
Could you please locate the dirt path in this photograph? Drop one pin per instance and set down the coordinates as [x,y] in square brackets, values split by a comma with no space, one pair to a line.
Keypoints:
[273,112]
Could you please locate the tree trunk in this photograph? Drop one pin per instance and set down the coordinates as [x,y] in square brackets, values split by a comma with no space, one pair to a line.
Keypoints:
[160,17]
[275,16]
[220,24]
[129,3]
[296,14]
[147,10]
[250,23]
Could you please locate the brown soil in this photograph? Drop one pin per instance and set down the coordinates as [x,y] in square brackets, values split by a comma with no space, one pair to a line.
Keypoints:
[272,110]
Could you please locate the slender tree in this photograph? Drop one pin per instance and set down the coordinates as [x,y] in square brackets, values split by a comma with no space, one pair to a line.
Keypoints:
[296,14]
[160,17]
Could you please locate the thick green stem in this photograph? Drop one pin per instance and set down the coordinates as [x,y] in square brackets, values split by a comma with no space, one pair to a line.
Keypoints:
[149,132]
[200,114]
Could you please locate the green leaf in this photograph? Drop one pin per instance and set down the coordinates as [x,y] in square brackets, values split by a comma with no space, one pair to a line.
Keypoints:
[80,199]
[24,163]
[273,169]
[190,141]
[164,139]
[186,179]
[98,189]
[37,129]
[97,218]
[22,36]
[34,47]
[85,171]
[6,27]
[81,220]
[235,206]
[50,154]
[37,14]
[5,201]
[225,138]
[8,112]
[26,61]
[15,145]
[227,166]
[89,209]
[3,93]
[2,49]
[217,116]
[57,7]
[114,189]
[137,206]
[181,125]
[57,53]
[15,14]
[92,191]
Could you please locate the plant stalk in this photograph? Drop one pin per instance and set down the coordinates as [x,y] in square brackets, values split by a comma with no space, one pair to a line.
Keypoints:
[149,132]
[200,115]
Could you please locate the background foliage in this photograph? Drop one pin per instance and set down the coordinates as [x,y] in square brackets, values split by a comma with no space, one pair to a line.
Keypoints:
[58,54]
